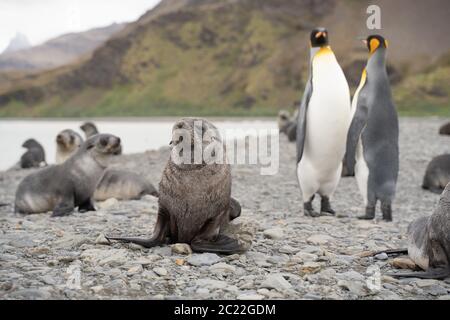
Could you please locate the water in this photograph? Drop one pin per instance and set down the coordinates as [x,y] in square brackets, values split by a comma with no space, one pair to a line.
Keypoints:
[137,136]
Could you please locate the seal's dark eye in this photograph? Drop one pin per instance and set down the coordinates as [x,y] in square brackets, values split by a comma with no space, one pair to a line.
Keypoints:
[103,142]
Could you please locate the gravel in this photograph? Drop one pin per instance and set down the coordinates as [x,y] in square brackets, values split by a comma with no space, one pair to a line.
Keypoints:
[290,256]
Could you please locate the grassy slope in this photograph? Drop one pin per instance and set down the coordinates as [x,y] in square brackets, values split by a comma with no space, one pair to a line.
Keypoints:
[233,61]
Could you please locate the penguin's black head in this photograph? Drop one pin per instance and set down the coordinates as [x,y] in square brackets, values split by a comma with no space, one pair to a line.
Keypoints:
[374,42]
[319,37]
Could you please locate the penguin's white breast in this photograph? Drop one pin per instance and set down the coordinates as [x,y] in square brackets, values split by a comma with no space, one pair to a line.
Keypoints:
[328,117]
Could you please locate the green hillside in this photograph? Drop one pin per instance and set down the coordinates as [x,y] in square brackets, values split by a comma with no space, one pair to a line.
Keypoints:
[211,57]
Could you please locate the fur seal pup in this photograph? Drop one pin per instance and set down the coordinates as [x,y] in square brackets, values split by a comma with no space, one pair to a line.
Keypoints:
[67,144]
[62,187]
[429,242]
[34,157]
[89,129]
[195,202]
[122,185]
[445,129]
[437,174]
[288,125]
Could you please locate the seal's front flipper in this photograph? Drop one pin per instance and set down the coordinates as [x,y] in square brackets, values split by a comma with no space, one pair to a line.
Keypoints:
[222,244]
[432,273]
[146,243]
[63,209]
[86,206]
[235,209]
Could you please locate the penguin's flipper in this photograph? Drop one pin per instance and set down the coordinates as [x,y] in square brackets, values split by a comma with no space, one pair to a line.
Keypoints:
[301,124]
[357,125]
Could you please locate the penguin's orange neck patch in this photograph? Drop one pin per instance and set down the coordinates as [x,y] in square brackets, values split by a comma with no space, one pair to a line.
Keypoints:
[324,51]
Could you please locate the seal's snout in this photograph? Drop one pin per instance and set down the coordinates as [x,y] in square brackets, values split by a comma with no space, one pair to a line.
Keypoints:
[59,138]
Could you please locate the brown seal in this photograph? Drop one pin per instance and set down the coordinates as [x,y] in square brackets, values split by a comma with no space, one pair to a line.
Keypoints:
[195,203]
[122,185]
[437,174]
[429,242]
[67,144]
[445,129]
[60,188]
[34,157]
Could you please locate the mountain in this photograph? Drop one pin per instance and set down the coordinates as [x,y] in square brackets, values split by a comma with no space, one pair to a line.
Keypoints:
[56,52]
[236,57]
[19,42]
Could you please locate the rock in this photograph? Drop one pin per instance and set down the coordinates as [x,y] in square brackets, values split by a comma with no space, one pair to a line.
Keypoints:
[107,204]
[355,287]
[351,276]
[436,290]
[97,289]
[211,284]
[274,233]
[422,283]
[135,269]
[446,297]
[181,248]
[403,263]
[112,257]
[222,268]
[288,250]
[250,296]
[180,262]
[31,294]
[242,229]
[276,281]
[319,239]
[203,259]
[304,256]
[310,267]
[101,239]
[202,291]
[381,256]
[160,271]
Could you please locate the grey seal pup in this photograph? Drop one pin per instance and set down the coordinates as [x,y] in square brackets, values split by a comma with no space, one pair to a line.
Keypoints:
[429,242]
[89,129]
[195,203]
[34,157]
[60,188]
[67,144]
[437,174]
[445,129]
[122,185]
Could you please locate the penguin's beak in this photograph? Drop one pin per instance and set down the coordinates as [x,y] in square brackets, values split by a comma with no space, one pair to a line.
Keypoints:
[319,34]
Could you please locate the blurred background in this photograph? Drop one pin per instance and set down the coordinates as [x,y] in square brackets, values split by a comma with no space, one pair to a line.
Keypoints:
[100,58]
[66,61]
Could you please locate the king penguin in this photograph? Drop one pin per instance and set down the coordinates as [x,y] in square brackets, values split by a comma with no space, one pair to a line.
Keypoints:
[372,141]
[323,122]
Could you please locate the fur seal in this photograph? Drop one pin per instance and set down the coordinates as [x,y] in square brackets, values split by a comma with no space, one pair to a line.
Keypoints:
[195,203]
[429,242]
[34,157]
[122,185]
[437,174]
[89,129]
[445,129]
[67,144]
[62,187]
[288,125]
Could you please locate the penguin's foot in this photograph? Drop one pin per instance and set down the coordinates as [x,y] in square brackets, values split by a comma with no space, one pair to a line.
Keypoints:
[325,207]
[386,209]
[370,214]
[308,210]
